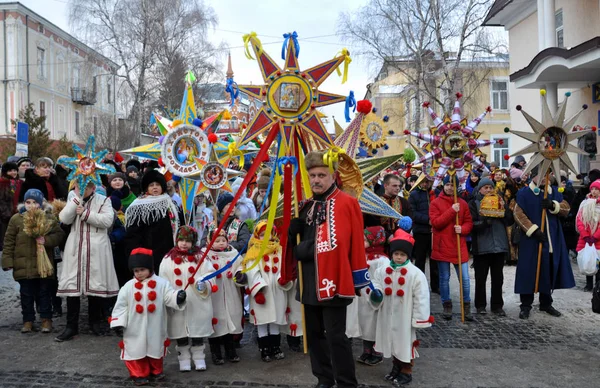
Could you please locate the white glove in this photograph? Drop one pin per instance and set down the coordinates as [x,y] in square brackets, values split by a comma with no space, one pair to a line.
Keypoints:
[201,286]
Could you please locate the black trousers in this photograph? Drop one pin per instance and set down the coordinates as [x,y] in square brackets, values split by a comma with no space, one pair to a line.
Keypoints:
[95,310]
[330,350]
[527,301]
[589,280]
[36,293]
[421,252]
[491,263]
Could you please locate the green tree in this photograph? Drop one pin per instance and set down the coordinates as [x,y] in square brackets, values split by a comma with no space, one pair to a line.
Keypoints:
[39,136]
[61,147]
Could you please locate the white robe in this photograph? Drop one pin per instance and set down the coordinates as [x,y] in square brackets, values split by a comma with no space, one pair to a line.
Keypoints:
[145,333]
[263,278]
[195,321]
[361,317]
[87,267]
[227,301]
[399,316]
[293,311]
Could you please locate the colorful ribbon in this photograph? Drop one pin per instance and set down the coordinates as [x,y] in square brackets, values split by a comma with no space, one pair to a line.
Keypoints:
[190,77]
[346,54]
[234,151]
[281,162]
[350,102]
[232,89]
[332,156]
[294,36]
[246,39]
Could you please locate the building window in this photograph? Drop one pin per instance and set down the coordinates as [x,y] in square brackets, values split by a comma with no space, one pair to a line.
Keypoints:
[499,151]
[41,62]
[43,111]
[41,28]
[499,91]
[558,22]
[77,123]
[109,92]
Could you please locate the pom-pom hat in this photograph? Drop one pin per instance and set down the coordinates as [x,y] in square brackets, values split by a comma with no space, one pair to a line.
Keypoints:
[402,241]
[141,258]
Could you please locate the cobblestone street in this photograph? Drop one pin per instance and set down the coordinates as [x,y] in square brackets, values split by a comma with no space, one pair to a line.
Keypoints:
[490,352]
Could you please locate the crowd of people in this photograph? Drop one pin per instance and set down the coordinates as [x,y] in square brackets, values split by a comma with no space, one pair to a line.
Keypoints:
[151,278]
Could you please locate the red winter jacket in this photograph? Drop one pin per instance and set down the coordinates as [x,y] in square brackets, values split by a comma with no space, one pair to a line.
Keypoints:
[585,231]
[443,219]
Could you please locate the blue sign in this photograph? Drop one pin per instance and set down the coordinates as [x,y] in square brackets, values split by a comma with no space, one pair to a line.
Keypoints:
[22,132]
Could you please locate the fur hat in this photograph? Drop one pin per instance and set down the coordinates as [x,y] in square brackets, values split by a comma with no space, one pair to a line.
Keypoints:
[223,200]
[135,163]
[187,233]
[402,241]
[263,180]
[8,166]
[154,176]
[36,195]
[315,159]
[141,258]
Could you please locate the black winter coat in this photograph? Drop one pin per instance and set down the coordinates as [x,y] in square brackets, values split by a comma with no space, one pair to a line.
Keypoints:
[489,234]
[419,205]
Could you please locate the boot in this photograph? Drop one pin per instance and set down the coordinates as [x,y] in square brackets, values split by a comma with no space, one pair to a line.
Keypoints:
[46,325]
[265,350]
[198,357]
[447,314]
[215,350]
[230,349]
[72,329]
[27,327]
[468,315]
[185,358]
[294,343]
[68,334]
[97,329]
[276,352]
[394,372]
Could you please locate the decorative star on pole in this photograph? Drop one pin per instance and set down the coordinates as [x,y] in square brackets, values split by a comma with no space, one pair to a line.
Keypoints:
[86,166]
[549,139]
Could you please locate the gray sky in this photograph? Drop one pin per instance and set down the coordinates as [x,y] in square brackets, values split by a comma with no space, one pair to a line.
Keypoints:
[314,19]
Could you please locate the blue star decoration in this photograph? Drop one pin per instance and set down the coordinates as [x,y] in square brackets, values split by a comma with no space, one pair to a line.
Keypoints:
[86,166]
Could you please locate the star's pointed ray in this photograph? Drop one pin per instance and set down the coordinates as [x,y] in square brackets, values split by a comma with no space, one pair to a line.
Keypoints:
[528,149]
[369,168]
[535,160]
[544,167]
[576,135]
[559,120]
[320,72]
[570,123]
[577,150]
[291,57]
[556,168]
[534,137]
[261,122]
[324,99]
[533,123]
[253,91]
[567,161]
[547,118]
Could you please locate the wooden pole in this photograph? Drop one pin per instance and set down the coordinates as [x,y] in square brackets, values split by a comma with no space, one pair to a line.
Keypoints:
[540,246]
[300,282]
[460,279]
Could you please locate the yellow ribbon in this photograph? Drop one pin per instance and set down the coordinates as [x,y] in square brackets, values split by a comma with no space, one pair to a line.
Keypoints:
[272,212]
[303,174]
[226,115]
[347,61]
[234,152]
[247,38]
[332,156]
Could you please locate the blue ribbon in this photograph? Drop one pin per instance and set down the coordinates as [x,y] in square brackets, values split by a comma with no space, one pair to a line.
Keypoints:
[294,36]
[232,89]
[281,162]
[350,102]
[262,209]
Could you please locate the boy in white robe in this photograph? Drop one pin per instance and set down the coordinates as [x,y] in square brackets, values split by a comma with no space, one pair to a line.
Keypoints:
[194,322]
[402,297]
[141,311]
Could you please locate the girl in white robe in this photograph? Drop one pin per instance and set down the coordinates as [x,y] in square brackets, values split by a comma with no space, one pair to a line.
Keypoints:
[402,297]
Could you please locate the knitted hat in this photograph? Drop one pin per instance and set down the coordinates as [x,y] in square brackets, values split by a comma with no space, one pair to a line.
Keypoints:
[119,175]
[141,258]
[8,166]
[223,200]
[36,195]
[447,180]
[375,235]
[154,176]
[131,169]
[24,159]
[263,181]
[519,159]
[484,182]
[187,233]
[315,159]
[595,184]
[402,241]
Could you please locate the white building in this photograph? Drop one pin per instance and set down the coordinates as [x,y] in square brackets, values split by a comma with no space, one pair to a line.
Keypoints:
[554,45]
[73,85]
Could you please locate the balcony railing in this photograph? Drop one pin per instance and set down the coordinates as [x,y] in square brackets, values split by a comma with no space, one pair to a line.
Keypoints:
[83,96]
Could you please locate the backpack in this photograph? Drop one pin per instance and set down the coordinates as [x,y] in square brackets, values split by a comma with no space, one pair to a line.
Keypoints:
[596,298]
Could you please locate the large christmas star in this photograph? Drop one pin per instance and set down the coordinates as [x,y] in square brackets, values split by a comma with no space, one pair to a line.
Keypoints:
[86,166]
[290,96]
[549,139]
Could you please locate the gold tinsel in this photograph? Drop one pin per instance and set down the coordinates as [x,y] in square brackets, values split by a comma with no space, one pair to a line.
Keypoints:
[57,207]
[36,224]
